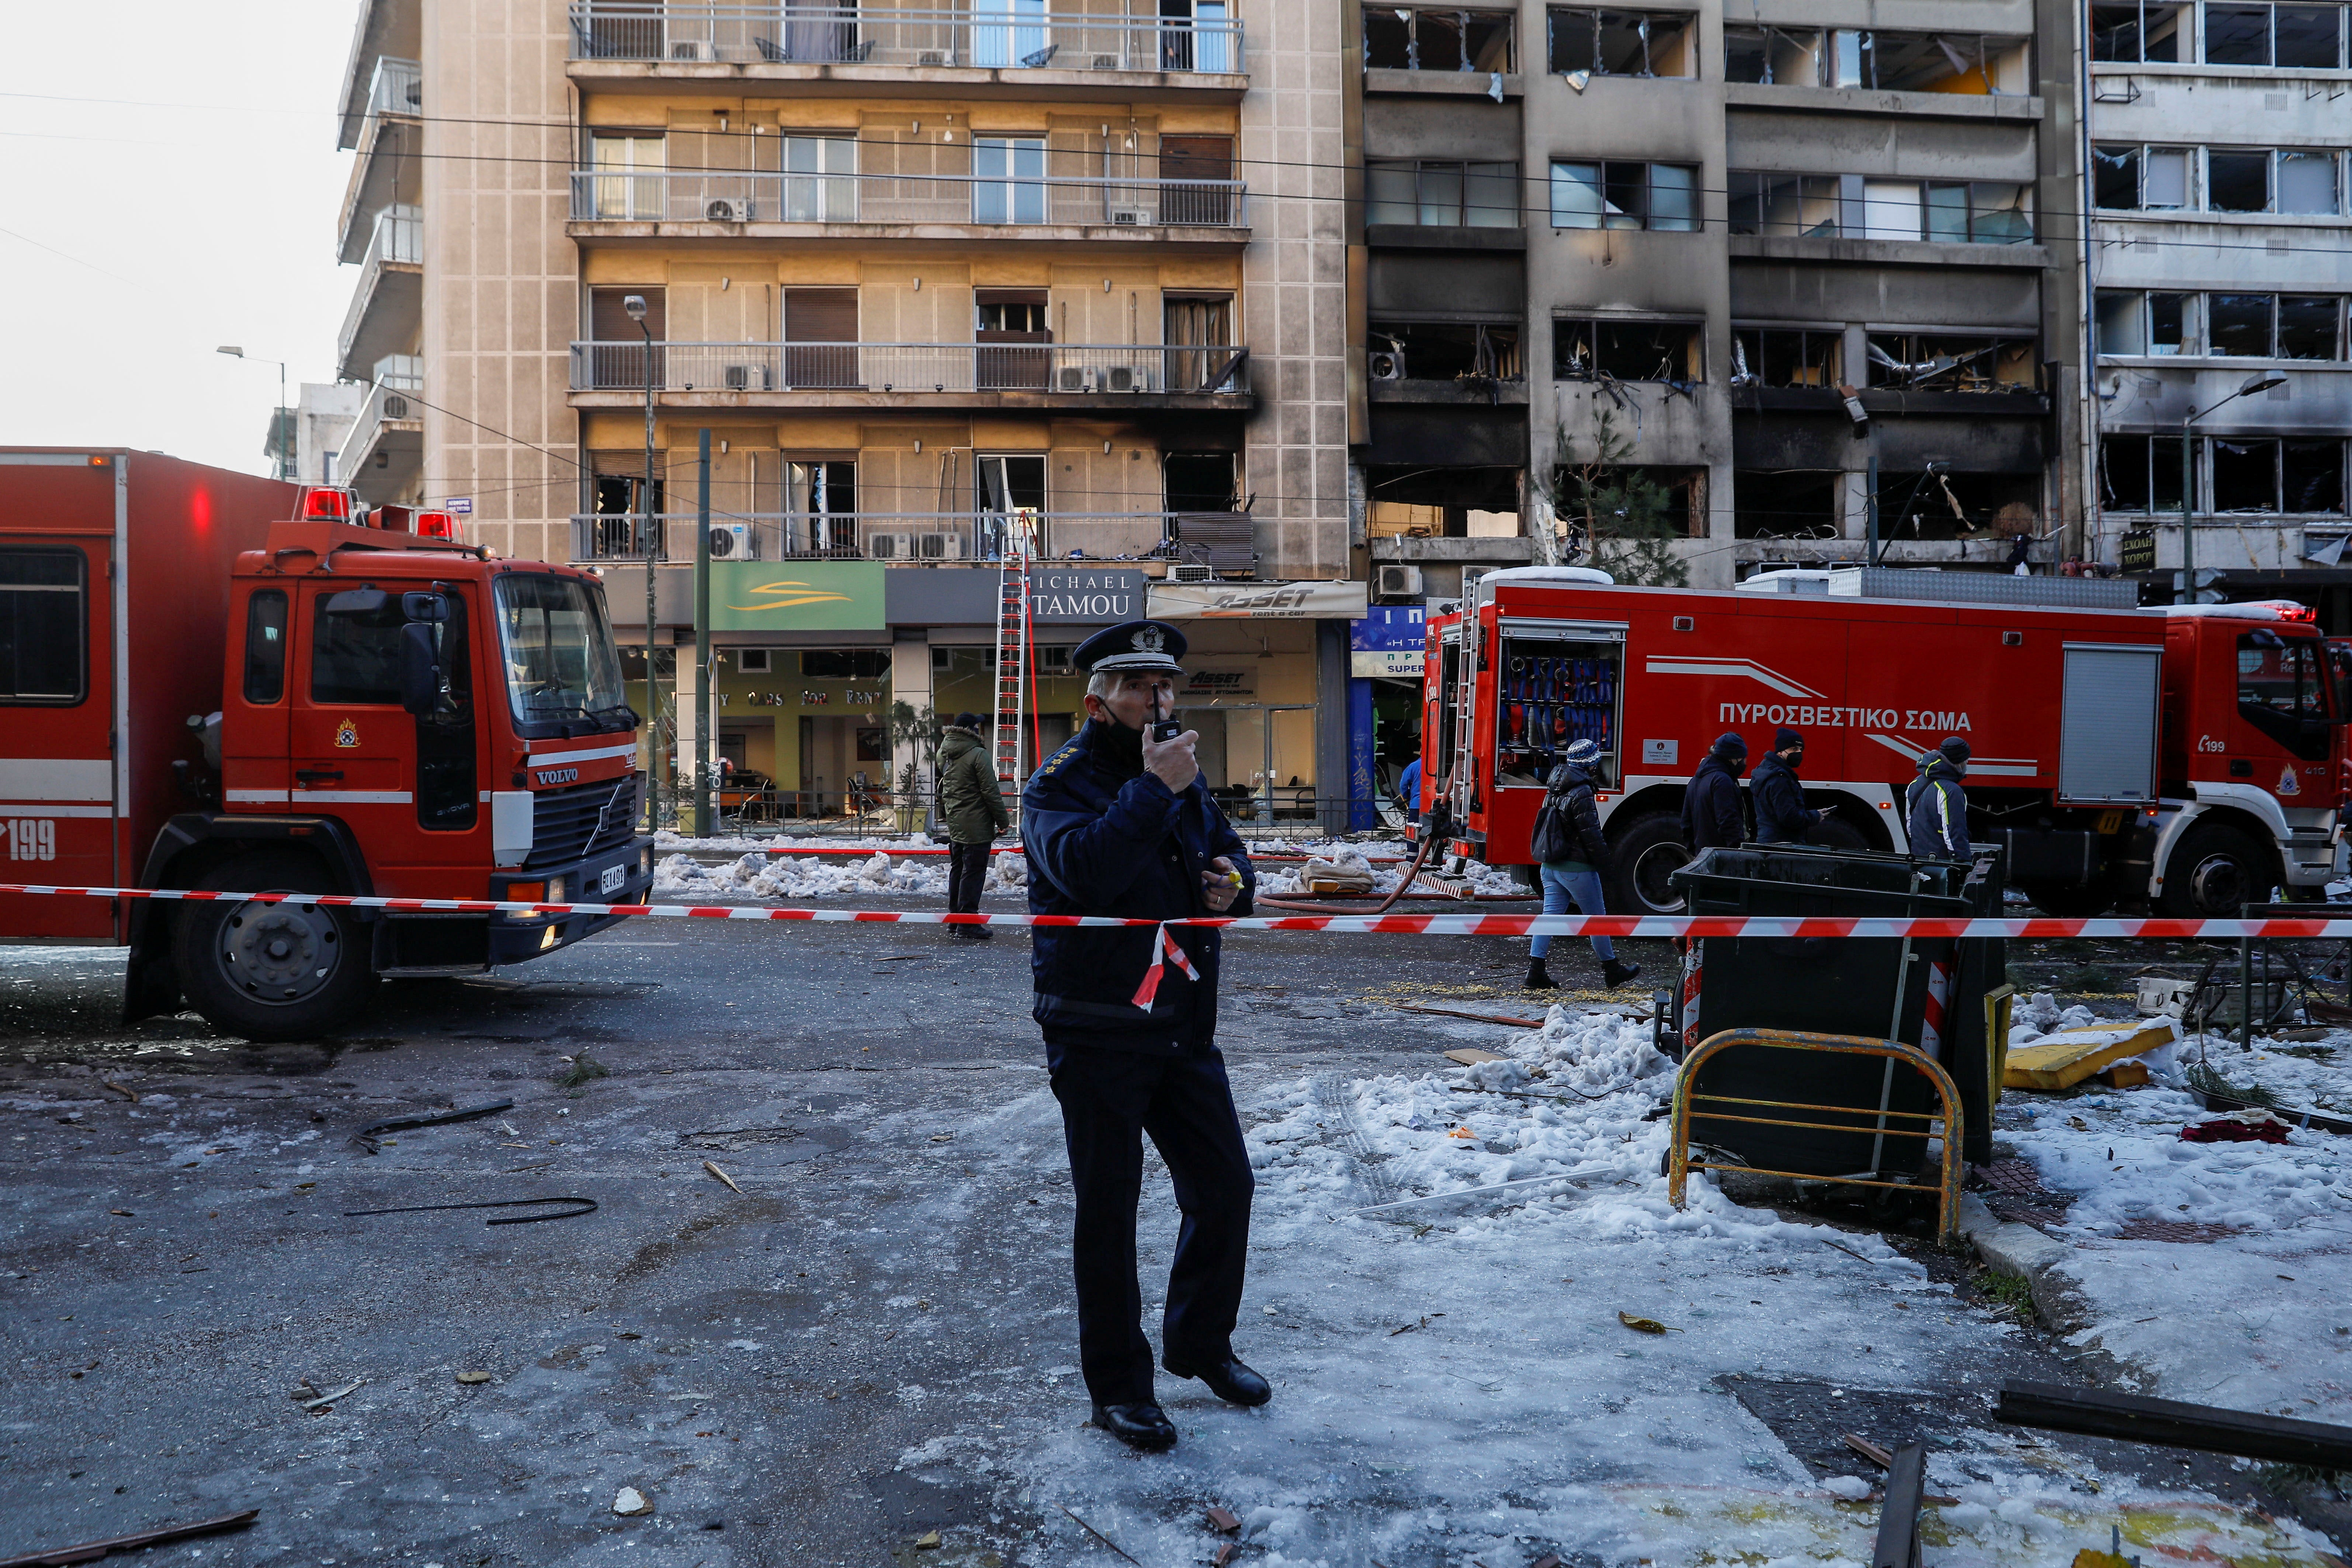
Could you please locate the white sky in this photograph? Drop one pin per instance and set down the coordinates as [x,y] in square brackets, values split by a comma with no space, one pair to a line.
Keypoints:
[200,212]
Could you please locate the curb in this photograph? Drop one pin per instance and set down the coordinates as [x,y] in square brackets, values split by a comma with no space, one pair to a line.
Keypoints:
[2021,1250]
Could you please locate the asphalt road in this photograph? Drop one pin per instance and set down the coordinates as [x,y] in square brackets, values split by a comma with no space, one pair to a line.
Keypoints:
[175,1267]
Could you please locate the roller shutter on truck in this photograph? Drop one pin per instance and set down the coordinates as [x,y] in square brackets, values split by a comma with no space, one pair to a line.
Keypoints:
[2106,737]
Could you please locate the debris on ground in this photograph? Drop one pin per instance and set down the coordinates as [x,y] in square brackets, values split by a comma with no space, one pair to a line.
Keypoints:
[723,1176]
[92,1550]
[2064,1057]
[471,1377]
[2244,1127]
[629,1501]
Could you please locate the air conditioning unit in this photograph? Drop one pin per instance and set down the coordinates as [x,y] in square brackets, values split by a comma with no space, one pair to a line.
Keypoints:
[933,57]
[1396,582]
[939,546]
[1131,217]
[395,408]
[691,49]
[732,541]
[747,378]
[1106,63]
[1125,378]
[1386,364]
[888,544]
[1074,378]
[1192,571]
[728,209]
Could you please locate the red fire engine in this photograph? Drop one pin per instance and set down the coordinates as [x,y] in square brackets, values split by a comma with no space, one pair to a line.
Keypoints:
[327,702]
[2190,759]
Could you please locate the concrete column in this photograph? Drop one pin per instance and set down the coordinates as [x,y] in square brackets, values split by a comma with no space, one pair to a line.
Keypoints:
[910,683]
[692,746]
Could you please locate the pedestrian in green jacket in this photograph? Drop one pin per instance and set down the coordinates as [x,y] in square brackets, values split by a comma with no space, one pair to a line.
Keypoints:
[972,805]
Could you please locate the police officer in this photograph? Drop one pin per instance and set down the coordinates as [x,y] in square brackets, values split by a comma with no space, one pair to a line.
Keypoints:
[1119,822]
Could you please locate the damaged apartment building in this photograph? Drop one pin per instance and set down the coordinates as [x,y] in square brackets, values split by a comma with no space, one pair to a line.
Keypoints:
[1760,260]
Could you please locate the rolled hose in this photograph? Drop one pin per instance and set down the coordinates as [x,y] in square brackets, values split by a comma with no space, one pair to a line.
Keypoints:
[1432,830]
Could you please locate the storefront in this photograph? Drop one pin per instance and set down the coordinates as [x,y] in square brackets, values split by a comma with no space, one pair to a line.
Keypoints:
[1384,684]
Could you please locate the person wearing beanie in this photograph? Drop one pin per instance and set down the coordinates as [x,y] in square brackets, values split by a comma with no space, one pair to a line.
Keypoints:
[1572,877]
[1711,815]
[1781,814]
[972,808]
[1937,822]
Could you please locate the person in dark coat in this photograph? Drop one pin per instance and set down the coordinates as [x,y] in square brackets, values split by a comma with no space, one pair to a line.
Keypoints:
[1117,823]
[1781,814]
[1575,880]
[1937,824]
[971,806]
[1711,817]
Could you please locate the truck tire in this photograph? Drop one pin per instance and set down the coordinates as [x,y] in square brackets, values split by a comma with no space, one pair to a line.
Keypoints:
[2213,870]
[1651,849]
[2072,901]
[270,972]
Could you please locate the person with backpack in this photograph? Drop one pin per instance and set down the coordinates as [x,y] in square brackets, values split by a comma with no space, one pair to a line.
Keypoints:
[1572,854]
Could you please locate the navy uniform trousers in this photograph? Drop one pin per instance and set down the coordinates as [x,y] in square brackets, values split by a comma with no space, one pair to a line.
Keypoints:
[1110,1099]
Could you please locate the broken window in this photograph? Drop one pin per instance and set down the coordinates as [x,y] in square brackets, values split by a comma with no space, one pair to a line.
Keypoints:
[1625,196]
[2311,475]
[2135,34]
[1398,38]
[1981,212]
[2168,325]
[2119,323]
[2141,473]
[1447,350]
[2308,326]
[1940,362]
[1424,503]
[1927,62]
[1773,57]
[1443,194]
[1628,351]
[1788,503]
[2127,178]
[1622,43]
[2237,182]
[1936,503]
[2307,182]
[2245,473]
[1780,356]
[2238,325]
[2301,36]
[1802,205]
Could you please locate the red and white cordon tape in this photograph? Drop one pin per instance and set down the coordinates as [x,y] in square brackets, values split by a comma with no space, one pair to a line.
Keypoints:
[1395,924]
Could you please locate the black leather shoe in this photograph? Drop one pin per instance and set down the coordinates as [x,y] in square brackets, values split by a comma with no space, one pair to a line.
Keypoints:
[1144,1426]
[1227,1378]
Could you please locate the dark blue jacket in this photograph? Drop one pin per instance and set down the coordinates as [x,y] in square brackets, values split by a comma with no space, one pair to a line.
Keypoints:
[1711,807]
[1104,838]
[1781,814]
[1938,824]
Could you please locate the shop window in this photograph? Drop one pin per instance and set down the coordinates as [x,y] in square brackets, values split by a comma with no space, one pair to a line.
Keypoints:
[1617,350]
[1937,362]
[1431,40]
[846,664]
[1443,194]
[1936,503]
[1622,43]
[2141,473]
[1625,196]
[1786,356]
[1788,503]
[1447,350]
[44,628]
[2308,326]
[2135,34]
[2282,692]
[1551,693]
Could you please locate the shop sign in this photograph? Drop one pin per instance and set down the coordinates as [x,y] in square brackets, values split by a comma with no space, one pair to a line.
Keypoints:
[2136,551]
[1258,601]
[1207,685]
[797,595]
[1086,594]
[1387,643]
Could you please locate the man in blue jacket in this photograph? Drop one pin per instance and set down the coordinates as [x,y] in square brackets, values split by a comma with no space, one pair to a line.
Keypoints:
[1938,823]
[1120,823]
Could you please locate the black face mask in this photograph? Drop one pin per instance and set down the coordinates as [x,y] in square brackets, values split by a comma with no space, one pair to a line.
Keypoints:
[1125,743]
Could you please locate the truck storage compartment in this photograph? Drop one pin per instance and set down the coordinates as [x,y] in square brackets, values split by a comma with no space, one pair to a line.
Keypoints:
[2107,727]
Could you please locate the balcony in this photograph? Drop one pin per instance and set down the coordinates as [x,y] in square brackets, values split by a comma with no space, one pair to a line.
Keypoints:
[901,538]
[914,376]
[1028,42]
[389,140]
[874,203]
[388,304]
[385,449]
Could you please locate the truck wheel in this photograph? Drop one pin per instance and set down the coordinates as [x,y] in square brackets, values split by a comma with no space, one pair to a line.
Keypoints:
[1647,852]
[2214,869]
[270,972]
[2072,901]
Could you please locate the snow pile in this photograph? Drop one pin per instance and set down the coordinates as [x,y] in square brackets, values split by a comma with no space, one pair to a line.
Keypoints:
[759,875]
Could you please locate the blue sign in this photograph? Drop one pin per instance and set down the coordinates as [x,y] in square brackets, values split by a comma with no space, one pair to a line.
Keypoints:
[1388,626]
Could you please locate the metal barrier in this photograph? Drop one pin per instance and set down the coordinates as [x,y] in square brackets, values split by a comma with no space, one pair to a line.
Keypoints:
[1019,35]
[1678,1162]
[1052,369]
[1017,191]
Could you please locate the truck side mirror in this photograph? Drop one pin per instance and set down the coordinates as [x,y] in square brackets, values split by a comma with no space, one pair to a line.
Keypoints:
[420,669]
[432,608]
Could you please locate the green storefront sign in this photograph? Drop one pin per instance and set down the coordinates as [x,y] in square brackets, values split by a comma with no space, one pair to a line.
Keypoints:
[796,596]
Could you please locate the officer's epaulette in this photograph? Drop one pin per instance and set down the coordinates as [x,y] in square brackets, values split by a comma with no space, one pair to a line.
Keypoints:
[1055,761]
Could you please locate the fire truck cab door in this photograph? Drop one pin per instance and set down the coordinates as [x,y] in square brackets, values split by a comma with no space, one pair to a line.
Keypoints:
[57,772]
[406,784]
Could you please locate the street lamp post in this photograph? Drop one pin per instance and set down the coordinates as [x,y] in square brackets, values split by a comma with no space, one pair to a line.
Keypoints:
[635,304]
[2187,593]
[277,430]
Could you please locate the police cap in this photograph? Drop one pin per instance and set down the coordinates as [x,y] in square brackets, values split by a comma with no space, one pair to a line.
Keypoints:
[1132,645]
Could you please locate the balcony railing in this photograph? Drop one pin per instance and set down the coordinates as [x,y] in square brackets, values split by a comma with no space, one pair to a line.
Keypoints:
[1022,35]
[399,238]
[886,196]
[397,88]
[899,537]
[386,404]
[1055,369]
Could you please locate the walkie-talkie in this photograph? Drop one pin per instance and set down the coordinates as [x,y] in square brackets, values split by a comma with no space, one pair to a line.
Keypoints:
[1165,730]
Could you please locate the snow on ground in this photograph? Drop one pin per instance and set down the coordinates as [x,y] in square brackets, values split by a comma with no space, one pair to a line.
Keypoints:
[2220,1273]
[760,875]
[1453,1381]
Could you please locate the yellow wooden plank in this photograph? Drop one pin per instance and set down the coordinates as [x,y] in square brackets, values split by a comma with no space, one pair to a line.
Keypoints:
[2063,1059]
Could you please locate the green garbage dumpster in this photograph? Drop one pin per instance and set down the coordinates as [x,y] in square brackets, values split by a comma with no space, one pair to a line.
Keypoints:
[1927,993]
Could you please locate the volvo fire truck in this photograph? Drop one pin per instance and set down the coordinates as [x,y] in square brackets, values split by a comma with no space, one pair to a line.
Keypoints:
[2187,760]
[220,682]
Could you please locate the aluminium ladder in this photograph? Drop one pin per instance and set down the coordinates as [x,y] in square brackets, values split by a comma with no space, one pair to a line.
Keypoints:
[1012,661]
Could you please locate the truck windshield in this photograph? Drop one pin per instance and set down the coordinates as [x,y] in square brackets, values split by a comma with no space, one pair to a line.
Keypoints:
[559,654]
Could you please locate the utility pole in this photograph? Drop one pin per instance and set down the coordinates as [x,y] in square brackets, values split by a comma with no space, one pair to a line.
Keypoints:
[702,747]
[1870,511]
[635,304]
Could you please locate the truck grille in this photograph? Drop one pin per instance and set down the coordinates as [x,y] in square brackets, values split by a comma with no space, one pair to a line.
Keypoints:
[579,820]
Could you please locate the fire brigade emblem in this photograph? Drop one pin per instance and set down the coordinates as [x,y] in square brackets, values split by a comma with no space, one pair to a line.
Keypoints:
[2286,782]
[349,736]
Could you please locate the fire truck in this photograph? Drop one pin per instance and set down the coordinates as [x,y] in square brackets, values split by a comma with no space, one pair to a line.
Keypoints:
[2187,760]
[220,682]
